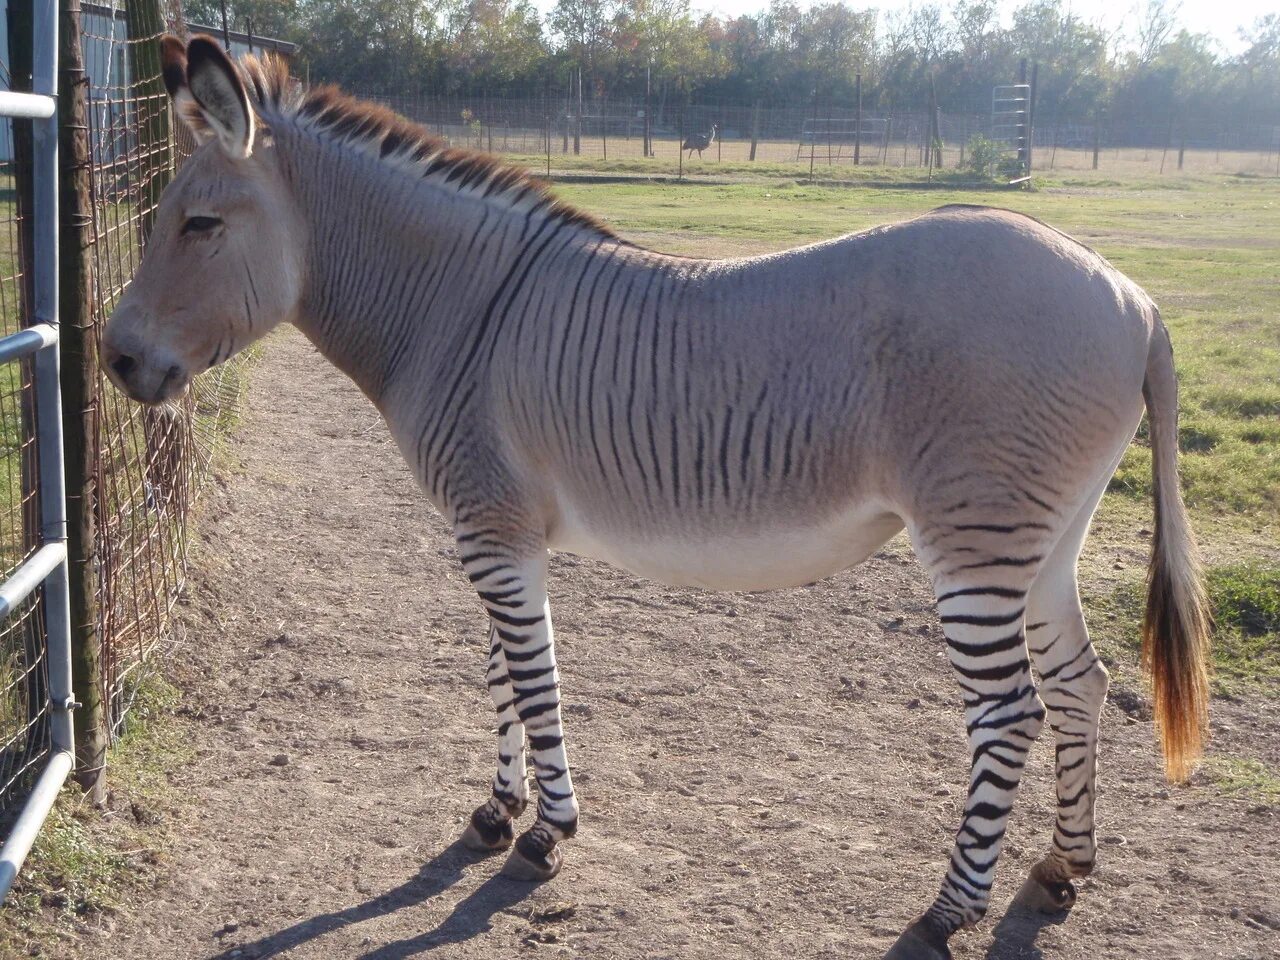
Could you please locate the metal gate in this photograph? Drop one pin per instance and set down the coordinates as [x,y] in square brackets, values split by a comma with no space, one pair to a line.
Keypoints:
[46,566]
[1011,123]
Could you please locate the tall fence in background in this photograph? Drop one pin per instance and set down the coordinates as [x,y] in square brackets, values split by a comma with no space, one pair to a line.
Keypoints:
[132,472]
[550,131]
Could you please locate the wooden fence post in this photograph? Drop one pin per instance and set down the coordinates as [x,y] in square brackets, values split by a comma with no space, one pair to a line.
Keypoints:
[79,398]
[755,128]
[857,130]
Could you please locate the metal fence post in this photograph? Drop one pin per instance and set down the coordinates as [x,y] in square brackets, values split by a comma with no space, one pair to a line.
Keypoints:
[47,565]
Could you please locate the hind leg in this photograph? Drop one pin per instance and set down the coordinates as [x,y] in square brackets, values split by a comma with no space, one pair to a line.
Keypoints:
[1073,686]
[981,573]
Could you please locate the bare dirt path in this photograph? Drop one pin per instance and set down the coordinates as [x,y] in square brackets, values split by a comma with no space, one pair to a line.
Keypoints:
[761,776]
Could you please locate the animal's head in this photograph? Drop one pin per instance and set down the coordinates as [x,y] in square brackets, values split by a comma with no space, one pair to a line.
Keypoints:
[224,262]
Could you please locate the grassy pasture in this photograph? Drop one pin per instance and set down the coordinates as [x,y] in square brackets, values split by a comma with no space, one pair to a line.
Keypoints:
[1206,248]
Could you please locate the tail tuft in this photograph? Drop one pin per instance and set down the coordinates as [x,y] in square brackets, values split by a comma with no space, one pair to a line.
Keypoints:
[1177,624]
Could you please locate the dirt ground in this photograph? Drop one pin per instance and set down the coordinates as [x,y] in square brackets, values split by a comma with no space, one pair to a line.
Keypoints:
[761,775]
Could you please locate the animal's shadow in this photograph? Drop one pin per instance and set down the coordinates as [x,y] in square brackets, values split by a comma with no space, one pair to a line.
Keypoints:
[471,916]
[1014,937]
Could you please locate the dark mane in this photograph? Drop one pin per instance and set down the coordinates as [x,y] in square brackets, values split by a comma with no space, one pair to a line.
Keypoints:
[374,127]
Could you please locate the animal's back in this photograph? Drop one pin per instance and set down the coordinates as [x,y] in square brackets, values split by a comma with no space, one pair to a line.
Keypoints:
[740,404]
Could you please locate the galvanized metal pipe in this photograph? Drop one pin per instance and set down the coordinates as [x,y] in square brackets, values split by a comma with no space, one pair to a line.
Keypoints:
[28,341]
[53,506]
[24,831]
[34,571]
[26,106]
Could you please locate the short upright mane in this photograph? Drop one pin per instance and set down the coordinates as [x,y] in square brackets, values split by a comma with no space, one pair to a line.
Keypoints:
[392,138]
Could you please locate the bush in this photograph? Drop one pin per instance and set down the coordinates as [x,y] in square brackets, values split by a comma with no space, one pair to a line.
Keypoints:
[983,155]
[989,161]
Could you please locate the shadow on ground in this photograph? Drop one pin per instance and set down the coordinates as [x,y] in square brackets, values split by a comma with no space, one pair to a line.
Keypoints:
[470,917]
[1014,937]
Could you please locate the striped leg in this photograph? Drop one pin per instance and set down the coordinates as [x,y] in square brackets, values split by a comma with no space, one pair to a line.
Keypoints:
[490,827]
[527,692]
[982,608]
[1073,685]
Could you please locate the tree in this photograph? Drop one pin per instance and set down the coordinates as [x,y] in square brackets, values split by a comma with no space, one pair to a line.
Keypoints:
[586,31]
[268,18]
[1156,24]
[493,44]
[664,36]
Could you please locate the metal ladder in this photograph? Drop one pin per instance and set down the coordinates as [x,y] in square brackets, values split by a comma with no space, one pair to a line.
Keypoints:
[48,564]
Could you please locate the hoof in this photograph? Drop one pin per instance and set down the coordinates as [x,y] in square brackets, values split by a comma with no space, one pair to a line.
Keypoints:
[484,839]
[532,867]
[920,941]
[1045,896]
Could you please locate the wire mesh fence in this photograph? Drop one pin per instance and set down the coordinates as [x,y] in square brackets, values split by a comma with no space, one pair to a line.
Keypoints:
[554,133]
[150,461]
[147,464]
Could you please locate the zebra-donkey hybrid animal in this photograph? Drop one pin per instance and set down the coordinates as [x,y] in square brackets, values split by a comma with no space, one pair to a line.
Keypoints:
[971,375]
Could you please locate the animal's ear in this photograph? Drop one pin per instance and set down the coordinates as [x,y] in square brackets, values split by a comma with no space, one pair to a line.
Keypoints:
[208,93]
[173,66]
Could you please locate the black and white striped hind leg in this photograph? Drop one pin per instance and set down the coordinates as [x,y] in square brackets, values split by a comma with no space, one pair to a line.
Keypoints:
[526,687]
[1073,686]
[982,594]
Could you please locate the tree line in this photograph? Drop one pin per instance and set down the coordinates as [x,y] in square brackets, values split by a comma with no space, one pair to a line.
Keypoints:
[1152,69]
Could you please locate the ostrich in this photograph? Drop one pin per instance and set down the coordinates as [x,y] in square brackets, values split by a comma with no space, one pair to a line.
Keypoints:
[699,141]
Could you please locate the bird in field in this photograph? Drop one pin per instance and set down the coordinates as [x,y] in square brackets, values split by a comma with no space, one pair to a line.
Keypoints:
[700,141]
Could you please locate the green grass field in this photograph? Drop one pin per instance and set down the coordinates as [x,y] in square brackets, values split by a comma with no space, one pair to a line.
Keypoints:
[1206,248]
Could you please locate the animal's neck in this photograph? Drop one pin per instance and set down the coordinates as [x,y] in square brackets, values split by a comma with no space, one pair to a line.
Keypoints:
[399,268]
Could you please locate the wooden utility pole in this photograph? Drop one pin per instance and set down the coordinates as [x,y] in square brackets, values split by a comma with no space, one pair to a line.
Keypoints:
[79,398]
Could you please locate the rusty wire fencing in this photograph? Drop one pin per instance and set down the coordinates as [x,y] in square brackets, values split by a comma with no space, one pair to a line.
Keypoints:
[145,466]
[150,463]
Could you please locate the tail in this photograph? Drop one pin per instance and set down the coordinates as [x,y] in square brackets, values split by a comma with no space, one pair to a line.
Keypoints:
[1176,627]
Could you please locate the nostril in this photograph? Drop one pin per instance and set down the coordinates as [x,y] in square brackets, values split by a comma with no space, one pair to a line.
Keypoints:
[123,365]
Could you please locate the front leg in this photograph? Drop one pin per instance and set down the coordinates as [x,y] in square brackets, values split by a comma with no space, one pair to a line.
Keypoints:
[526,689]
[490,827]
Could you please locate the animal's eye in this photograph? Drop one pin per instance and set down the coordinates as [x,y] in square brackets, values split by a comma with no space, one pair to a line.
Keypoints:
[200,225]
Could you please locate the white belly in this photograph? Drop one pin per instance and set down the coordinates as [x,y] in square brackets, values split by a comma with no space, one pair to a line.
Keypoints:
[763,559]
